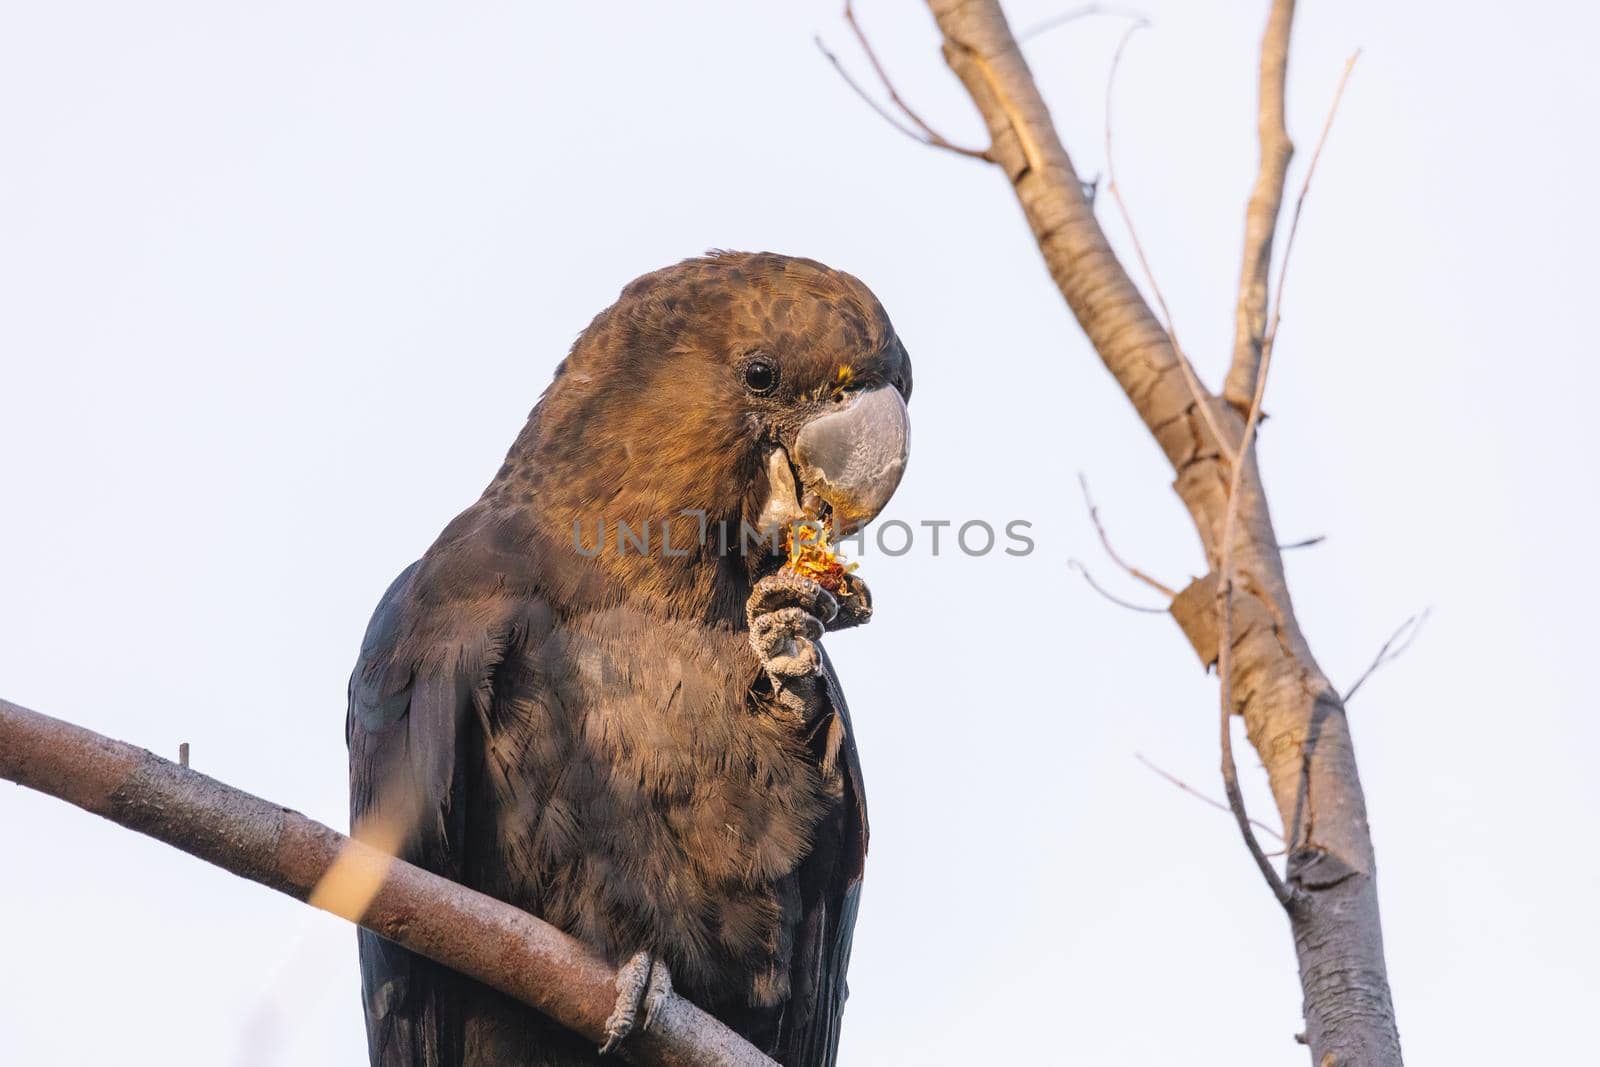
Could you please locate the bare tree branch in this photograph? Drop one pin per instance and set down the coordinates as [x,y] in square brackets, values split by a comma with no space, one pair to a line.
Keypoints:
[1289,896]
[1405,634]
[1073,564]
[1261,213]
[923,134]
[1076,13]
[1274,51]
[1294,716]
[1134,572]
[1192,791]
[479,936]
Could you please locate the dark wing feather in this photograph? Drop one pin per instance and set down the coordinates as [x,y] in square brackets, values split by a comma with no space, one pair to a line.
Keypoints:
[831,886]
[411,693]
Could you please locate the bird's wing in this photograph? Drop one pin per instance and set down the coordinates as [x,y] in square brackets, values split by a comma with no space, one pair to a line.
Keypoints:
[424,671]
[831,887]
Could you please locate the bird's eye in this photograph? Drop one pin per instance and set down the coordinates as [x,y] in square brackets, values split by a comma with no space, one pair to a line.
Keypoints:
[760,377]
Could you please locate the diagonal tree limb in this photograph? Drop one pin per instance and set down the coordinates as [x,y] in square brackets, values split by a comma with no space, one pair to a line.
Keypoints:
[1290,896]
[479,936]
[1261,212]
[1293,715]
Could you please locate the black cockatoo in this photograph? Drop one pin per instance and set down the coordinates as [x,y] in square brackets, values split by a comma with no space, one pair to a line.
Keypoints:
[639,739]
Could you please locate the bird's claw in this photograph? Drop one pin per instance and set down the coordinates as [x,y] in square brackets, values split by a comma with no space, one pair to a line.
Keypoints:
[788,614]
[854,609]
[643,985]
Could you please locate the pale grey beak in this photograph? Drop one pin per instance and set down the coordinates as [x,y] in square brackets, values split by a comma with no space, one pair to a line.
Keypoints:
[854,456]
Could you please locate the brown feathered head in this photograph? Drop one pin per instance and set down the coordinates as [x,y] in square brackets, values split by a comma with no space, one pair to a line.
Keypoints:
[715,401]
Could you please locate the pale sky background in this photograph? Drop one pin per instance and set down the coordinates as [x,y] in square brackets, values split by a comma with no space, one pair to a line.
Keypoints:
[280,282]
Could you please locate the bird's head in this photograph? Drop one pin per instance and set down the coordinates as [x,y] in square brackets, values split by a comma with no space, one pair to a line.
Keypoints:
[716,400]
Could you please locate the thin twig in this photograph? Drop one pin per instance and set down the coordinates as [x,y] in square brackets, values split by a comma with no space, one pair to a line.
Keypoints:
[1405,634]
[1074,14]
[1192,791]
[1288,896]
[883,75]
[1118,601]
[1135,572]
[1307,543]
[1299,206]
[1202,399]
[927,135]
[864,95]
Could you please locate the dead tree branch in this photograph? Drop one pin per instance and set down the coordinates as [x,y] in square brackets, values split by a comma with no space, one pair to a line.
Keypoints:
[1212,801]
[1274,51]
[1293,715]
[1073,564]
[1289,896]
[1274,57]
[475,934]
[923,134]
[1392,649]
[1105,541]
[1261,213]
[1060,19]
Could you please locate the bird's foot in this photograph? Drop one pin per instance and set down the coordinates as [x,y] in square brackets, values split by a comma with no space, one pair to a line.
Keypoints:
[787,615]
[643,985]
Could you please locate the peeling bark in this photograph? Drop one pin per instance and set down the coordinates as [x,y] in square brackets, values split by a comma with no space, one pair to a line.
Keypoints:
[1293,715]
